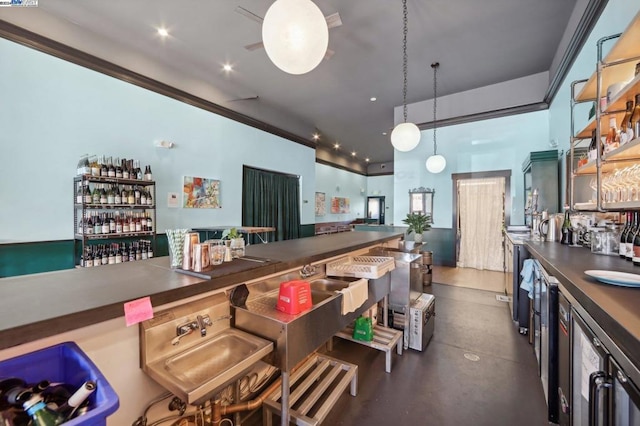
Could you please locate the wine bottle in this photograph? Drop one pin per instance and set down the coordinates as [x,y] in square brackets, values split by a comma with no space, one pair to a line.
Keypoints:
[123,253]
[111,197]
[137,194]
[635,118]
[125,169]
[105,224]
[79,193]
[623,236]
[97,225]
[630,237]
[103,195]
[566,228]
[69,409]
[95,195]
[118,253]
[118,166]
[147,173]
[117,196]
[139,171]
[149,198]
[40,414]
[149,250]
[104,169]
[111,170]
[149,223]
[612,140]
[111,259]
[88,258]
[143,196]
[86,192]
[626,128]
[95,167]
[105,255]
[636,249]
[131,196]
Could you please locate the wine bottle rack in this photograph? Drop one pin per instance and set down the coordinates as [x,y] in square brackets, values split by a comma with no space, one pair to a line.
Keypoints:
[81,210]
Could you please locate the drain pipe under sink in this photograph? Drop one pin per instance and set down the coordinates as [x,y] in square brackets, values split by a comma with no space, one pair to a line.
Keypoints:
[218,410]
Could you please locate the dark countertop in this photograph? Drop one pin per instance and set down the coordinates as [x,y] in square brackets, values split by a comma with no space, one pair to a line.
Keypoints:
[40,305]
[615,309]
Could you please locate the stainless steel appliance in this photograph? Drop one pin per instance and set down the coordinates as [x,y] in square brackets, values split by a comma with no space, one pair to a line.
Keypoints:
[516,253]
[603,393]
[422,322]
[406,287]
[564,360]
[546,336]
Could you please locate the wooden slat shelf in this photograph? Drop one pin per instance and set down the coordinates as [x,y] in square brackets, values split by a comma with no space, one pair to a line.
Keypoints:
[626,155]
[624,48]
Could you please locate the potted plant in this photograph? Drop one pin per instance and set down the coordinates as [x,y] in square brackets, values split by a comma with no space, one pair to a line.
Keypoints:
[418,223]
[234,240]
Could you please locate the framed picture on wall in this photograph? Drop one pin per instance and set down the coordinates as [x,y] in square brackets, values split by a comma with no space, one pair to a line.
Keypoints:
[200,193]
[321,208]
[339,205]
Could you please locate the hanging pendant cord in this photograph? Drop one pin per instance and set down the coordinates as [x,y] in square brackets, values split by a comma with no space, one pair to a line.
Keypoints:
[404,59]
[435,66]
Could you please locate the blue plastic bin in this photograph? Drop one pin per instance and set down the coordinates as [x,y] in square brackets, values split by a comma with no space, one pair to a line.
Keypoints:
[66,363]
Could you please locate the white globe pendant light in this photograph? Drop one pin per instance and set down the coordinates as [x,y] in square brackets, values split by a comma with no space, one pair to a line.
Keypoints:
[295,35]
[405,136]
[436,163]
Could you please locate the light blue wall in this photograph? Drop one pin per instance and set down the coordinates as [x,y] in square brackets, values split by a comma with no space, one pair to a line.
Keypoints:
[383,186]
[496,144]
[52,111]
[340,183]
[614,19]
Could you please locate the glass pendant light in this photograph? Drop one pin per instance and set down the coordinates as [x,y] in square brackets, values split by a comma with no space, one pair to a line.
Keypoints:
[436,163]
[405,136]
[295,35]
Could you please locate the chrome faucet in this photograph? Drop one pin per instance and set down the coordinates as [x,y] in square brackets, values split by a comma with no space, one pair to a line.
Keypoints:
[307,271]
[201,323]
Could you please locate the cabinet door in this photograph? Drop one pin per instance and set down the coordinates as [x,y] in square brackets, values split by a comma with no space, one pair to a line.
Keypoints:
[626,398]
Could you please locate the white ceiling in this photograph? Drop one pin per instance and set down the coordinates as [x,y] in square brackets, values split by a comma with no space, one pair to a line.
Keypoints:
[476,42]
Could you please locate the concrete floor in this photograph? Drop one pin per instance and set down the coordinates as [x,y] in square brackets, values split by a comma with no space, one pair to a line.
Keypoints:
[442,387]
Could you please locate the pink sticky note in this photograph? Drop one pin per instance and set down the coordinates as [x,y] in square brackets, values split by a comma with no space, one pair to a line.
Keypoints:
[138,310]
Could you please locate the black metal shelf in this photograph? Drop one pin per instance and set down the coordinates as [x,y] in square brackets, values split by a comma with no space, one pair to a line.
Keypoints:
[115,206]
[114,235]
[103,179]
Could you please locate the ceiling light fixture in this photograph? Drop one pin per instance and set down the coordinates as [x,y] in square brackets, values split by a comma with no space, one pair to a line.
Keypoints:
[384,133]
[353,153]
[405,136]
[367,159]
[295,35]
[436,163]
[336,145]
[163,32]
[316,136]
[373,99]
[227,67]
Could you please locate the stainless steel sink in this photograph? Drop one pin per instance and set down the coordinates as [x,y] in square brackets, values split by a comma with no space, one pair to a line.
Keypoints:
[329,285]
[199,366]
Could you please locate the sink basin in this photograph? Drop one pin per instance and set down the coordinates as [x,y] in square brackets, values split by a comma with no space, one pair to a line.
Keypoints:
[200,371]
[328,285]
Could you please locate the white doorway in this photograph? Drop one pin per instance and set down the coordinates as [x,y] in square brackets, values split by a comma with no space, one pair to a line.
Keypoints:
[481,211]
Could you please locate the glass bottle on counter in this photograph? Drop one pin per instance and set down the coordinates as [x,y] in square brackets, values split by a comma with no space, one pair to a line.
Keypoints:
[612,140]
[626,127]
[623,236]
[630,237]
[635,118]
[566,229]
[636,250]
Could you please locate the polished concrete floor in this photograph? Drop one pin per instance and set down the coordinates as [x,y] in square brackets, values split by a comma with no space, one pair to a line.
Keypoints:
[477,370]
[469,278]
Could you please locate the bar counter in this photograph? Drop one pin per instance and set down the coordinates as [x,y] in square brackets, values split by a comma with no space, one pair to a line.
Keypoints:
[616,309]
[40,305]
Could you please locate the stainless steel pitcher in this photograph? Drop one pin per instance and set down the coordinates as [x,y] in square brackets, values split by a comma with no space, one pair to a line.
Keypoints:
[551,229]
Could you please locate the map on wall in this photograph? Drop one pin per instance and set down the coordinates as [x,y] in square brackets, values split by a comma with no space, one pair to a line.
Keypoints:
[200,193]
[339,205]
[321,208]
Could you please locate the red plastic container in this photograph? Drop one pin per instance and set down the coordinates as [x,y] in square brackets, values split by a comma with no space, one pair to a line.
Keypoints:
[294,297]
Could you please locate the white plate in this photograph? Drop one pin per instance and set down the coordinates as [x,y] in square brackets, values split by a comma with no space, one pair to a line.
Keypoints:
[616,278]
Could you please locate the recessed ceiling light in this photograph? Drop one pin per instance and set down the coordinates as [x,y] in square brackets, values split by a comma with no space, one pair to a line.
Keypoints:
[336,145]
[373,99]
[227,67]
[353,153]
[163,32]
[316,136]
[366,159]
[384,133]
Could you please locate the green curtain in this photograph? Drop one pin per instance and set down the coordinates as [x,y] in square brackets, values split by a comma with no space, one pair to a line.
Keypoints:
[271,199]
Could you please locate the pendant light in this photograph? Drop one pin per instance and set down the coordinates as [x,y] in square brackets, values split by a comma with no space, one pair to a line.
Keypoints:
[405,136]
[295,35]
[436,163]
